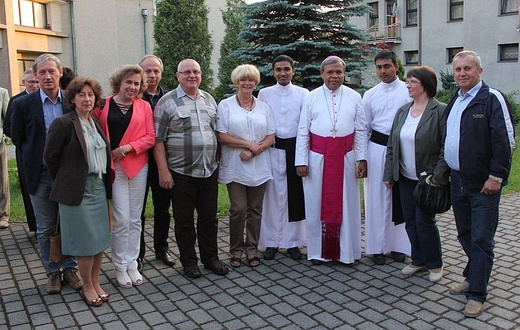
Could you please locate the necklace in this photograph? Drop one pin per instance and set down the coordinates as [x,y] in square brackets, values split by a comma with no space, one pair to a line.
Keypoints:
[416,112]
[335,110]
[251,106]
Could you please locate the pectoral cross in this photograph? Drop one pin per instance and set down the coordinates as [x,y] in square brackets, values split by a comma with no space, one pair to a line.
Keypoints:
[333,130]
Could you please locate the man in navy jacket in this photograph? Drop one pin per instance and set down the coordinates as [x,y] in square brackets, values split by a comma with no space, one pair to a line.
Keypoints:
[479,143]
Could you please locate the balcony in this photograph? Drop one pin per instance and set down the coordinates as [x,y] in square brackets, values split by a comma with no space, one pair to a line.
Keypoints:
[387,33]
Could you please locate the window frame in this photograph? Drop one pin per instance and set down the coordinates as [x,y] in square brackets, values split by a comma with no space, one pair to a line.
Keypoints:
[505,3]
[23,15]
[502,49]
[451,52]
[411,11]
[373,16]
[409,54]
[456,4]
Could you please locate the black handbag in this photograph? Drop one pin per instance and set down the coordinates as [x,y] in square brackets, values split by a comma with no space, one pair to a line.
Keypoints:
[431,197]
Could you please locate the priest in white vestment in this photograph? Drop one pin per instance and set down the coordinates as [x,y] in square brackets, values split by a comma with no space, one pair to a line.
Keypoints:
[384,233]
[330,155]
[283,216]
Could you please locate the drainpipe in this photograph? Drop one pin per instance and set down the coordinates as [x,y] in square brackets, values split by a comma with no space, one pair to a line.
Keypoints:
[144,13]
[419,23]
[73,37]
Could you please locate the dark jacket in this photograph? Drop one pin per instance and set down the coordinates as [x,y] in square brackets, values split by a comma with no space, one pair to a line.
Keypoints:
[66,157]
[486,138]
[28,134]
[429,143]
[7,119]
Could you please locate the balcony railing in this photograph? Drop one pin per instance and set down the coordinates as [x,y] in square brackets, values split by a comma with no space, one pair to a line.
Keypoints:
[387,33]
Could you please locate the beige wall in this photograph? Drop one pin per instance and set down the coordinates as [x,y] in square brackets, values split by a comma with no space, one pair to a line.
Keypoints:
[92,37]
[217,30]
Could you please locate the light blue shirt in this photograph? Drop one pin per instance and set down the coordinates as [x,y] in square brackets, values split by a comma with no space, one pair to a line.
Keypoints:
[452,143]
[51,110]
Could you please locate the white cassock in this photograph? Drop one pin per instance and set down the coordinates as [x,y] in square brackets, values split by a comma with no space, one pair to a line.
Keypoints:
[318,117]
[381,235]
[276,230]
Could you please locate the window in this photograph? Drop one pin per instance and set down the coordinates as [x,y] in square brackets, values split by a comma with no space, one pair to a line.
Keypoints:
[25,61]
[451,52]
[508,53]
[456,10]
[30,13]
[373,17]
[411,57]
[509,7]
[411,12]
[391,8]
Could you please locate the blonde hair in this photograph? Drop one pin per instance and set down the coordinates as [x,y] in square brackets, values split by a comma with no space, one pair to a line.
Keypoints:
[245,71]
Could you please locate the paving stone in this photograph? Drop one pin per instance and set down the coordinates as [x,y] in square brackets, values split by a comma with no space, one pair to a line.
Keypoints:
[279,294]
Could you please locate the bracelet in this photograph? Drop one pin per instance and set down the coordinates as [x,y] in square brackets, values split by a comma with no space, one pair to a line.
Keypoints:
[122,152]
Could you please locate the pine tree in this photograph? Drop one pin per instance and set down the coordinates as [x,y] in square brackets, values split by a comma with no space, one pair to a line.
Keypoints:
[180,32]
[306,30]
[232,17]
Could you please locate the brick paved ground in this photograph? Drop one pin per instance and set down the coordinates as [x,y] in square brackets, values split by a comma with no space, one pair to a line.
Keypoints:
[280,294]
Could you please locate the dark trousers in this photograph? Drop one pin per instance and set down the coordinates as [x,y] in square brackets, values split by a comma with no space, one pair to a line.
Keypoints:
[476,217]
[161,212]
[190,194]
[29,211]
[421,228]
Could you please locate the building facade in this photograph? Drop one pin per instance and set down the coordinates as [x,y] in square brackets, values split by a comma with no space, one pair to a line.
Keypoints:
[426,32]
[91,37]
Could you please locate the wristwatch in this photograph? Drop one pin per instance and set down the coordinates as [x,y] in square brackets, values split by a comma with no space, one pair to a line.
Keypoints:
[496,178]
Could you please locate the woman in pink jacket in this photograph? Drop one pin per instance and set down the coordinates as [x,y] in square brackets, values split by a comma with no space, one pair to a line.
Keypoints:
[128,123]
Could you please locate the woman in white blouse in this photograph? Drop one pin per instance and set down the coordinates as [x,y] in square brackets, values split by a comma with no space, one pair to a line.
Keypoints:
[245,128]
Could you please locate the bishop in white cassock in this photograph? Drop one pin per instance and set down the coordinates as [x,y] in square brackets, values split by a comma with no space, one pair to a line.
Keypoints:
[330,154]
[283,215]
[383,233]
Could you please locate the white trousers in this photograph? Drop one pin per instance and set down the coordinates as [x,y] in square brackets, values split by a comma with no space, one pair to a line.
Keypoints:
[127,205]
[276,230]
[381,234]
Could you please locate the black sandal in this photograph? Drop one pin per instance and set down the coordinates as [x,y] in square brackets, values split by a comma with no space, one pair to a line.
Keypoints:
[254,261]
[217,267]
[235,262]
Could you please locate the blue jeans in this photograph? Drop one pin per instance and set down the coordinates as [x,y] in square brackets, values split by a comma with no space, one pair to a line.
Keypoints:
[46,212]
[476,217]
[421,228]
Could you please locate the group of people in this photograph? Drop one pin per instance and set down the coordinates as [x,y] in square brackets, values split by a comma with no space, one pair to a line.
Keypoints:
[291,161]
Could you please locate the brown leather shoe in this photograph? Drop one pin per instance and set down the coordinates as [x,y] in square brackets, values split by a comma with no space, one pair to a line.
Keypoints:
[53,285]
[72,277]
[460,288]
[4,224]
[473,308]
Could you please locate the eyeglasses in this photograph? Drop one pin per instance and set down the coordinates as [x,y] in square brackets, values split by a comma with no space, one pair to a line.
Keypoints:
[413,82]
[32,82]
[189,72]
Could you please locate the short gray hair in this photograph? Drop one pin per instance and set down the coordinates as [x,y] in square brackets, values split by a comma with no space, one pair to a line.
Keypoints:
[464,53]
[333,59]
[44,58]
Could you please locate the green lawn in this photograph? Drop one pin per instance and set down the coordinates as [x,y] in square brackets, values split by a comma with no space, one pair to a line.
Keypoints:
[18,212]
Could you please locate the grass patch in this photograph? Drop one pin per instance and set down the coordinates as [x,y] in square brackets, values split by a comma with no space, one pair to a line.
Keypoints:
[18,211]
